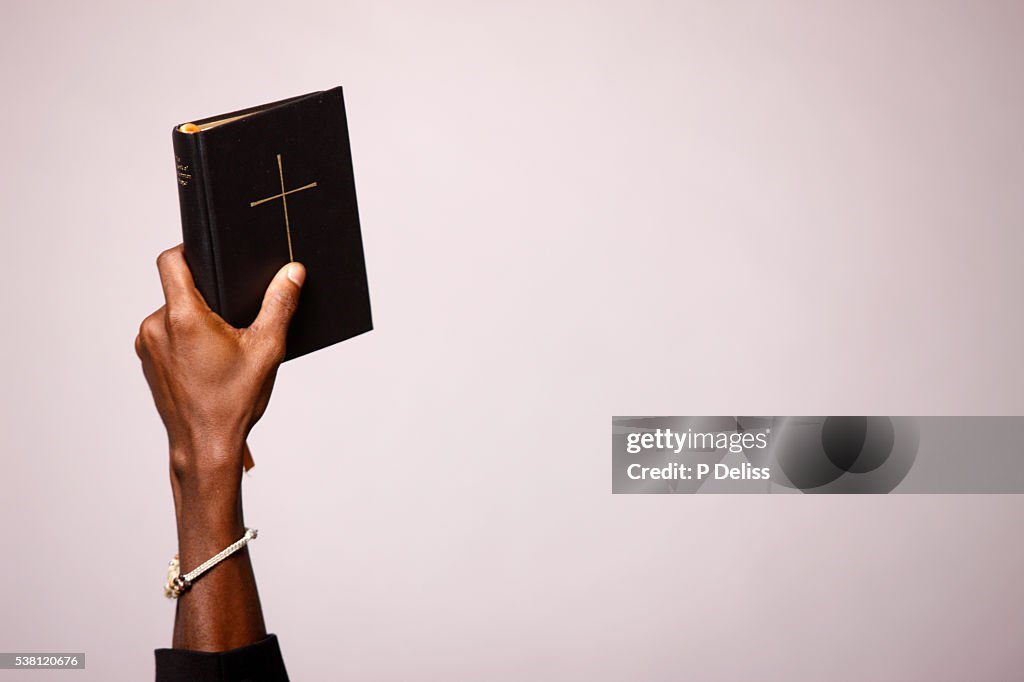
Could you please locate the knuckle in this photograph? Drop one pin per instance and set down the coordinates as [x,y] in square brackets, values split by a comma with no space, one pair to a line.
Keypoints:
[180,320]
[149,330]
[286,301]
[272,350]
[161,260]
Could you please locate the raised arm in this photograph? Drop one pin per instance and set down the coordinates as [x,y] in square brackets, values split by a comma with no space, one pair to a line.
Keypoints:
[211,384]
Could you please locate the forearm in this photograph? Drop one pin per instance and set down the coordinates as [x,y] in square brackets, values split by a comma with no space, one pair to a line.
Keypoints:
[222,609]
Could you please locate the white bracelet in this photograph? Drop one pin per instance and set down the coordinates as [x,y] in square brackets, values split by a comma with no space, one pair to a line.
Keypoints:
[177,583]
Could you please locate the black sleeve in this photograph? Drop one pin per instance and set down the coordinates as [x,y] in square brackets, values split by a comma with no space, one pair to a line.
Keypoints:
[257,662]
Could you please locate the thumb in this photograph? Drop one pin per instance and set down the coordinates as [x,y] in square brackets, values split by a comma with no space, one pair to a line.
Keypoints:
[280,302]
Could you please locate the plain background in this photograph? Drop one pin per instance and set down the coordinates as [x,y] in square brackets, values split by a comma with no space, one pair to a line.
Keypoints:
[570,211]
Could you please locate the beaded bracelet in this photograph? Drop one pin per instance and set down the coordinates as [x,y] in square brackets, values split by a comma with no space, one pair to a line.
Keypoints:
[177,583]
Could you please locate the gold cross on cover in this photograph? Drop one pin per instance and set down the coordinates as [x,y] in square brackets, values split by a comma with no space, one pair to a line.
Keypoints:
[283,196]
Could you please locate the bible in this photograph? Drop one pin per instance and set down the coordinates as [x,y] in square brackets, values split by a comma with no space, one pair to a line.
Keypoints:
[264,186]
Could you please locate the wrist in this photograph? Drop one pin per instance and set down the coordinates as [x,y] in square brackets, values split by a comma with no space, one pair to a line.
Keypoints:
[206,483]
[206,462]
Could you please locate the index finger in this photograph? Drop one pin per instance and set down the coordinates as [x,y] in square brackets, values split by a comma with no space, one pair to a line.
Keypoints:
[176,280]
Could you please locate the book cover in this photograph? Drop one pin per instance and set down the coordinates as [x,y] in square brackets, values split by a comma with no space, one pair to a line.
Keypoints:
[267,185]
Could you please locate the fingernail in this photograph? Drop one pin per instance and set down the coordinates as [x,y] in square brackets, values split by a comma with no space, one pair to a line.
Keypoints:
[297,273]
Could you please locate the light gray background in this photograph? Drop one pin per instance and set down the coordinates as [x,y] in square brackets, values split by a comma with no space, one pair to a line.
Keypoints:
[570,211]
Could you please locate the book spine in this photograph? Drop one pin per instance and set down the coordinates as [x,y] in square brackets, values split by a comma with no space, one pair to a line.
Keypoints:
[196,222]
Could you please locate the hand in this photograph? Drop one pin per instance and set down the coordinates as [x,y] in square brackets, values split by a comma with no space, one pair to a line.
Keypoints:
[212,382]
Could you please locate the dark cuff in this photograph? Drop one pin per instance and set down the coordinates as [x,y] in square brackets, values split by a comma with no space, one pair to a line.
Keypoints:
[257,662]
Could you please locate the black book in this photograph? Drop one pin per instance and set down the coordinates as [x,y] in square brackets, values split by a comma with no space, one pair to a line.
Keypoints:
[267,185]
